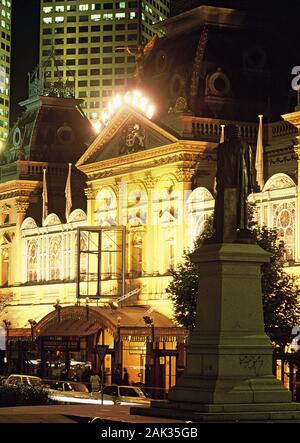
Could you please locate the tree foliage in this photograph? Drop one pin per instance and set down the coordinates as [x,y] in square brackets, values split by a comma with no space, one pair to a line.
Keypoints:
[280,290]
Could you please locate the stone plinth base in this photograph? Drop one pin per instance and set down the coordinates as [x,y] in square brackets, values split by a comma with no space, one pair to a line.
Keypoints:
[197,413]
[229,356]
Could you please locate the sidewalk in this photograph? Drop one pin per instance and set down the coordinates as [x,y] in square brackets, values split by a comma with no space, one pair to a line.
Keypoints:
[75,414]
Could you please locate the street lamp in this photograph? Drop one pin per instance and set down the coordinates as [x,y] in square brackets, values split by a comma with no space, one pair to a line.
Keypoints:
[58,308]
[33,324]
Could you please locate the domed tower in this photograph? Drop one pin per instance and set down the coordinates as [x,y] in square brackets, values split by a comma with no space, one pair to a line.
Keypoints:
[214,63]
[51,133]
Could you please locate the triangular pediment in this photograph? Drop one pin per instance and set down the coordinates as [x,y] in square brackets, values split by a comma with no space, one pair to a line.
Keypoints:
[127,133]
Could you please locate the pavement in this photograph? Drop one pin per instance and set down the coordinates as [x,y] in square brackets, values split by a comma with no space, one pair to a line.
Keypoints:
[75,414]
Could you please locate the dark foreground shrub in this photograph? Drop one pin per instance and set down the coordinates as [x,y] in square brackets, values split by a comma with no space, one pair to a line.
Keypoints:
[23,396]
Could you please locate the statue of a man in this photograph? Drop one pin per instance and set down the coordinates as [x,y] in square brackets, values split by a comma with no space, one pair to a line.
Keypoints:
[235,181]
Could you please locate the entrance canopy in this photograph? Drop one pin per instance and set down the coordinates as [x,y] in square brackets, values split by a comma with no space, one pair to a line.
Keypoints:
[71,328]
[127,322]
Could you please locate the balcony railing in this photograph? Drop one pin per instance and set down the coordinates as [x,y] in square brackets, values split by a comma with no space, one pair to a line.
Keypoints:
[210,129]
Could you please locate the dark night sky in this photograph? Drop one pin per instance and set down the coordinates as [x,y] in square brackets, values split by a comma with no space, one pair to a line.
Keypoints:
[25,49]
[25,37]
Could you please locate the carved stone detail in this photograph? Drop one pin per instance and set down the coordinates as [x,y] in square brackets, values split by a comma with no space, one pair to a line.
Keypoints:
[90,193]
[252,362]
[133,138]
[150,181]
[119,188]
[22,206]
[185,174]
[6,208]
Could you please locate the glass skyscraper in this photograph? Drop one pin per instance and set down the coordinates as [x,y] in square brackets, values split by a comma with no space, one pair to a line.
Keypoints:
[5,54]
[95,42]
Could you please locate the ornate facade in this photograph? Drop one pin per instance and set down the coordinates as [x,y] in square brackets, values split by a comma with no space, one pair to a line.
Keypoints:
[153,179]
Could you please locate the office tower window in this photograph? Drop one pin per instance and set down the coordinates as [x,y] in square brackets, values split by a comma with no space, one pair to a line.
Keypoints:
[90,31]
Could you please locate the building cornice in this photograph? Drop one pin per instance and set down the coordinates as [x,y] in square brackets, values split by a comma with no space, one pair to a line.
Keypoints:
[18,188]
[183,151]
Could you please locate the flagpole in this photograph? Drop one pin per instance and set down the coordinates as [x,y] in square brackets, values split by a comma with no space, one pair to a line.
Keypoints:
[45,195]
[68,193]
[222,139]
[259,161]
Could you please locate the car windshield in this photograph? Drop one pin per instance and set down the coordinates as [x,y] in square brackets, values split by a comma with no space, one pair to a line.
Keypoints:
[34,381]
[131,392]
[79,387]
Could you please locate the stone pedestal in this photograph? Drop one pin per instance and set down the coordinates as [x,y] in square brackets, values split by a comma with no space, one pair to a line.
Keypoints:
[229,358]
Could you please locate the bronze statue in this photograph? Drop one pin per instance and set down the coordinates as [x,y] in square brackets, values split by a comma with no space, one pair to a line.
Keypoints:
[235,181]
[140,53]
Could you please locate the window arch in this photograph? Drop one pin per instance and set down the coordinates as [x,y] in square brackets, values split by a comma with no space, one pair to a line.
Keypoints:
[55,265]
[106,208]
[200,207]
[284,222]
[137,206]
[32,261]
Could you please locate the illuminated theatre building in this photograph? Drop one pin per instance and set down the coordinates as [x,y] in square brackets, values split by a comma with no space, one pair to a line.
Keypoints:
[142,191]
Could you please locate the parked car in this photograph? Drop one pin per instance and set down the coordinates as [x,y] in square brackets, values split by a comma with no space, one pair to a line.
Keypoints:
[64,390]
[120,395]
[28,380]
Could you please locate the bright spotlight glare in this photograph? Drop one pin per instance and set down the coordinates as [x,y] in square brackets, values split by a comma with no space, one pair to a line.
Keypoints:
[132,98]
[97,126]
[117,101]
[150,111]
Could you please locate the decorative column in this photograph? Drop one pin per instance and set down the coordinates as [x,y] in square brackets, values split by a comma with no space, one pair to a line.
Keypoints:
[149,260]
[21,205]
[91,194]
[184,177]
[121,195]
[120,190]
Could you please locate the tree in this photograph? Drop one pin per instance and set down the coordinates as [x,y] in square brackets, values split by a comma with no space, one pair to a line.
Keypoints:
[280,291]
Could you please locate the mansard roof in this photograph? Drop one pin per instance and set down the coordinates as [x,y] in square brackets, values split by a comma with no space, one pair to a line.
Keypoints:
[221,62]
[51,129]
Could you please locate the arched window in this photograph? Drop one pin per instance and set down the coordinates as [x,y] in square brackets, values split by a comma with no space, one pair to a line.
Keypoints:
[55,257]
[5,265]
[168,205]
[137,206]
[284,222]
[83,256]
[106,208]
[275,207]
[200,207]
[32,253]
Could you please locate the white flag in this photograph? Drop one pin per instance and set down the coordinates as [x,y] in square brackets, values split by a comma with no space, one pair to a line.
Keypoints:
[45,196]
[259,161]
[68,193]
